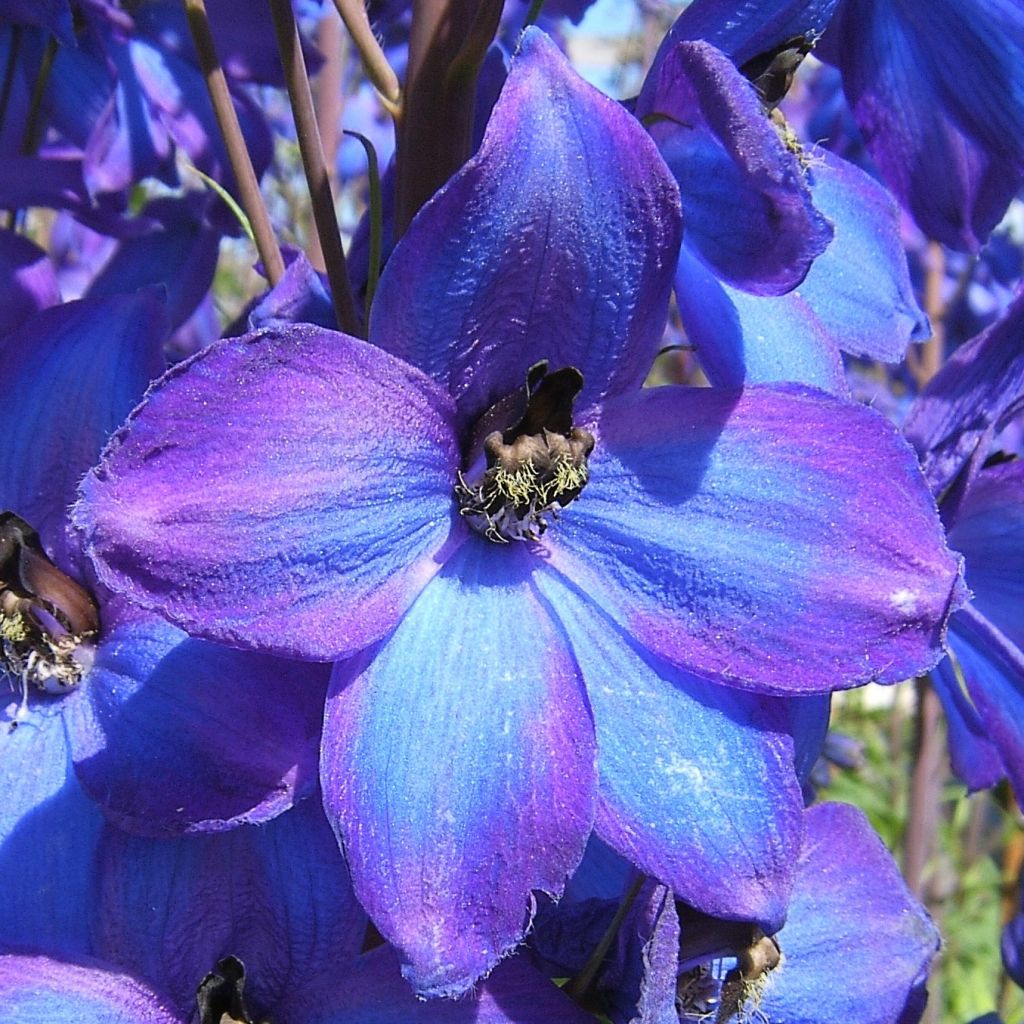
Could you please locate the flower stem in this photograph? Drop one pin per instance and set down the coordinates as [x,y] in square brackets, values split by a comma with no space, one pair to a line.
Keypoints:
[925,787]
[301,97]
[380,73]
[231,132]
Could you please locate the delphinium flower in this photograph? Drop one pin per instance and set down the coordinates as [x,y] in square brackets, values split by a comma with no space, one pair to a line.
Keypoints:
[856,945]
[952,425]
[139,704]
[768,288]
[474,553]
[259,923]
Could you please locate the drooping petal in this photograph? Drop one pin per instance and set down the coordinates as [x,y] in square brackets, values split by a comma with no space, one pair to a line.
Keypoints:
[696,781]
[278,897]
[458,768]
[289,489]
[748,28]
[746,205]
[173,735]
[372,991]
[556,241]
[38,989]
[938,91]
[967,399]
[27,278]
[68,377]
[776,539]
[856,943]
[48,833]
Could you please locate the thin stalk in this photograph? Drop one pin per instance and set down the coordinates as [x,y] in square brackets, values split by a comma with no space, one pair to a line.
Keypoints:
[533,13]
[9,70]
[578,987]
[380,73]
[924,362]
[925,787]
[234,142]
[317,179]
[376,222]
[34,121]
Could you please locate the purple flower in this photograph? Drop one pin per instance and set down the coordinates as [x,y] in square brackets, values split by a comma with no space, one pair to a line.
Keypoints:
[299,491]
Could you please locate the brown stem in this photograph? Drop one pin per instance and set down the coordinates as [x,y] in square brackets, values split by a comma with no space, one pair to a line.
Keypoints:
[448,41]
[926,361]
[234,142]
[380,73]
[925,787]
[301,98]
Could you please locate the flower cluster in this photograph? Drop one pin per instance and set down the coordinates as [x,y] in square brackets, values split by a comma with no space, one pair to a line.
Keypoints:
[452,636]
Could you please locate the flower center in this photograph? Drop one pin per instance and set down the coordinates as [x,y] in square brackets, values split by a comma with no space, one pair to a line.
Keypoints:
[46,618]
[533,469]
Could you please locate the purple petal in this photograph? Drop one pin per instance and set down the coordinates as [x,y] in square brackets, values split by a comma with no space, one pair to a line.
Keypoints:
[856,942]
[948,144]
[173,735]
[277,897]
[36,989]
[371,991]
[746,28]
[966,400]
[696,781]
[754,339]
[746,206]
[743,537]
[299,297]
[556,241]
[27,278]
[48,831]
[289,489]
[458,768]
[68,377]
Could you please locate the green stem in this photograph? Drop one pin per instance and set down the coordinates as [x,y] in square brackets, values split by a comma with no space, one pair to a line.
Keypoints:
[376,222]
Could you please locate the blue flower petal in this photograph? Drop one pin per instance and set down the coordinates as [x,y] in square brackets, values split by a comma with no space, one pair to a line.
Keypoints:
[278,897]
[556,241]
[746,205]
[27,280]
[290,489]
[68,377]
[173,735]
[742,537]
[856,942]
[458,768]
[696,781]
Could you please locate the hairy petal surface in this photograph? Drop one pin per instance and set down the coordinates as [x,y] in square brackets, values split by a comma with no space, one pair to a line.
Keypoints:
[278,897]
[174,735]
[458,768]
[852,921]
[938,91]
[68,377]
[38,990]
[746,206]
[556,241]
[696,781]
[288,489]
[743,536]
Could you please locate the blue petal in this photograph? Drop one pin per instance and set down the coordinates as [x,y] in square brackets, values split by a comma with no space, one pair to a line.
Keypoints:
[48,833]
[68,377]
[173,735]
[27,281]
[746,205]
[556,241]
[458,768]
[696,781]
[856,942]
[278,897]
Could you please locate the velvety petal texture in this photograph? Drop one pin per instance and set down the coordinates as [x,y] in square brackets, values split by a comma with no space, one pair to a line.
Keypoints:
[556,241]
[746,206]
[68,377]
[980,384]
[856,942]
[458,768]
[938,90]
[288,489]
[696,781]
[174,735]
[738,535]
[40,990]
[278,897]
